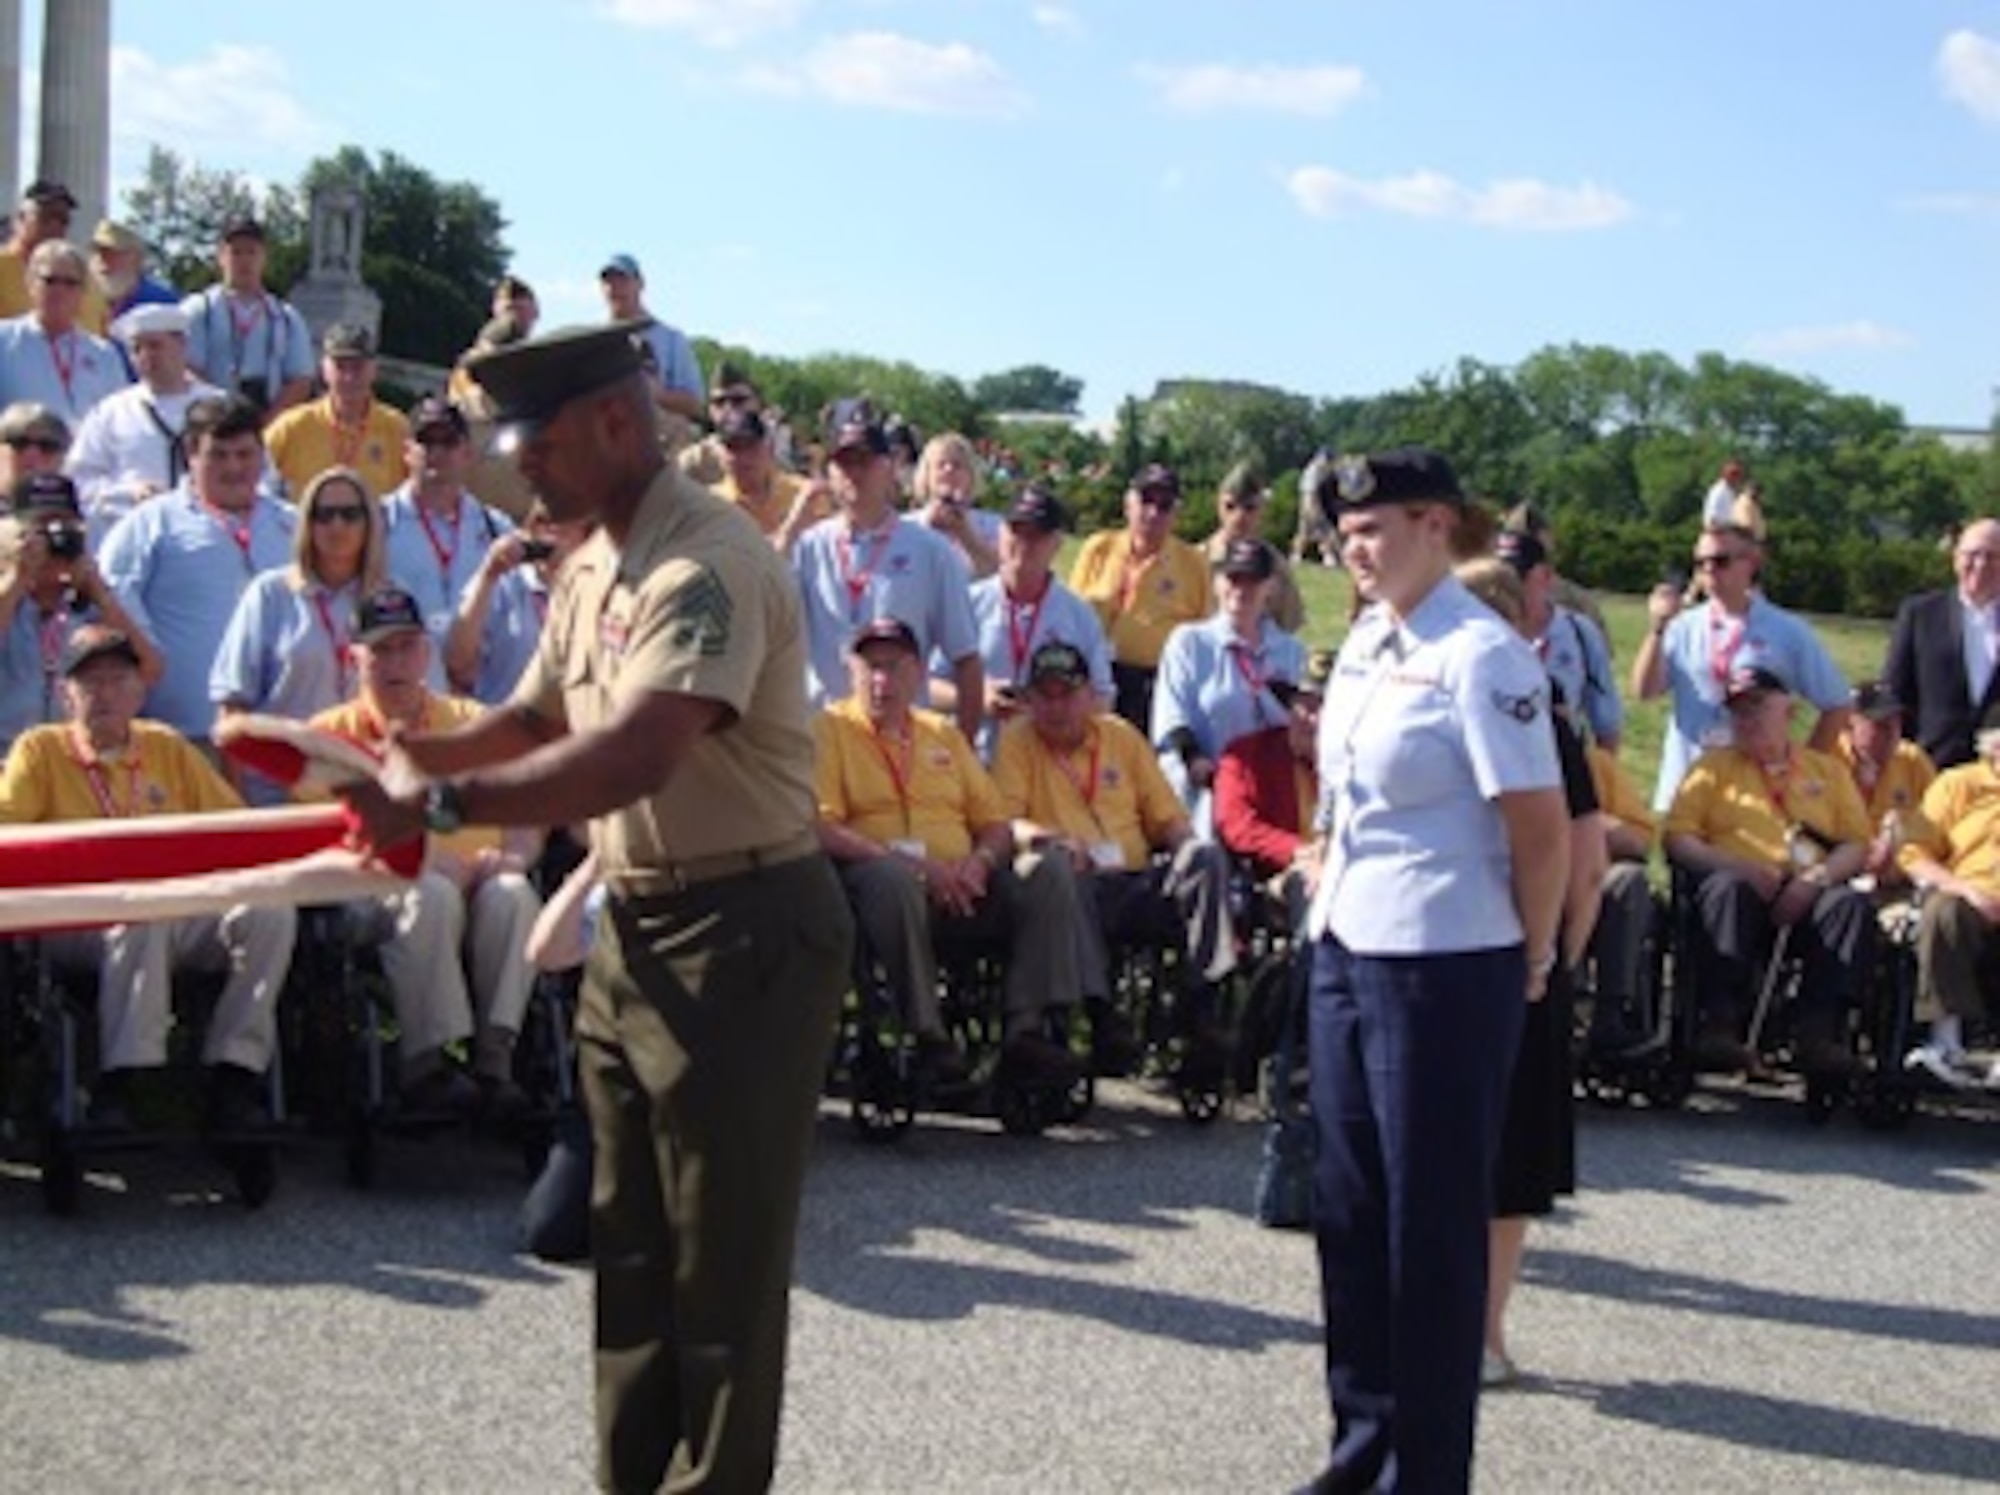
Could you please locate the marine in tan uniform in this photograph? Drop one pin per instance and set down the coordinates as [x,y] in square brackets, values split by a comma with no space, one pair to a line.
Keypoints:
[666,705]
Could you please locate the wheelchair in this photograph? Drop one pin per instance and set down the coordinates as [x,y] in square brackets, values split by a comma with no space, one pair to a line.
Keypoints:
[48,1033]
[1647,1060]
[875,1065]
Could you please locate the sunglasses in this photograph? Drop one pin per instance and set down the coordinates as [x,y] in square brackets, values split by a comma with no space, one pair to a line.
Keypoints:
[1157,500]
[433,439]
[339,514]
[1715,562]
[60,280]
[47,445]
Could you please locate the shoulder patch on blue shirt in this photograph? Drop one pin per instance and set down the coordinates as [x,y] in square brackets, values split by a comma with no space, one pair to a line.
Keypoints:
[1523,709]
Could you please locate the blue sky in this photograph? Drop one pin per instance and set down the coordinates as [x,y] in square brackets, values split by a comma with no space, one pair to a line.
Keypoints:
[1332,197]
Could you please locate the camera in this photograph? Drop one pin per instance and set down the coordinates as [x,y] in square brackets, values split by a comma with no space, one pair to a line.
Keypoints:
[65,541]
[537,550]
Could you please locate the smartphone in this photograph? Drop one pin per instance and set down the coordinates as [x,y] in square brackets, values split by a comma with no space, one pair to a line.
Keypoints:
[1674,577]
[537,550]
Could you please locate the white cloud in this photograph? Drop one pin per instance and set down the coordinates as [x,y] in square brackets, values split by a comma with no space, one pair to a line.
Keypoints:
[1520,204]
[1214,87]
[715,23]
[1059,20]
[217,105]
[1864,336]
[1968,65]
[881,70]
[1960,204]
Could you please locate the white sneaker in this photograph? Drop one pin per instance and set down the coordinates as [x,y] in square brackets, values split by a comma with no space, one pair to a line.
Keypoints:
[1947,1066]
[1496,1370]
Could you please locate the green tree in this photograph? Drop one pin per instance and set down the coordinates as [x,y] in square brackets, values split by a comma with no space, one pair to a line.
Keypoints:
[1033,387]
[180,209]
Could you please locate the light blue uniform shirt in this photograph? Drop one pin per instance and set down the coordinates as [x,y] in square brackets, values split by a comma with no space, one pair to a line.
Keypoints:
[1217,688]
[31,667]
[180,572]
[1416,740]
[679,369]
[903,570]
[437,562]
[1700,649]
[1009,635]
[69,374]
[272,344]
[513,632]
[1579,660]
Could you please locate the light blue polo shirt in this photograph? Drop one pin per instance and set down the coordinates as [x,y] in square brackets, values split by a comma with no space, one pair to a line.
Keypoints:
[679,368]
[270,343]
[1579,660]
[513,632]
[437,562]
[1217,688]
[1424,724]
[69,374]
[180,573]
[31,667]
[1009,635]
[902,570]
[1699,650]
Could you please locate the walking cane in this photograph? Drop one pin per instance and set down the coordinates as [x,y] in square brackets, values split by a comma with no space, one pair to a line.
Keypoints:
[1803,854]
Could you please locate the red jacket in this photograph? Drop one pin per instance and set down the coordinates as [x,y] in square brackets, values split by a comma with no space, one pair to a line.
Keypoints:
[1257,809]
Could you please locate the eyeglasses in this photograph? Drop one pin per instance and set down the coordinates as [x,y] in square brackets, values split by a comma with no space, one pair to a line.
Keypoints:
[339,514]
[1715,562]
[47,445]
[434,439]
[60,280]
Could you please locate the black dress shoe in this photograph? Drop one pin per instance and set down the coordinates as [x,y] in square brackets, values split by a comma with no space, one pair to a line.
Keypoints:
[445,1091]
[235,1101]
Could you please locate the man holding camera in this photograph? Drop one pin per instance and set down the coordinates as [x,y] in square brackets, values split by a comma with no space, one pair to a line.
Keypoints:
[244,338]
[50,587]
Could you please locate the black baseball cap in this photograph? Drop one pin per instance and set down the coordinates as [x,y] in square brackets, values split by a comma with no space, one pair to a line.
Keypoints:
[1877,700]
[1404,475]
[1035,508]
[384,612]
[50,193]
[1157,477]
[243,227]
[1060,662]
[1319,670]
[852,424]
[1747,682]
[432,413]
[1249,558]
[48,494]
[884,630]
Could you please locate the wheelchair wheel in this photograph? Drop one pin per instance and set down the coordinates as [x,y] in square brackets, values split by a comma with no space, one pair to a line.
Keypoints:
[1080,1098]
[62,1174]
[1669,1088]
[1200,1103]
[880,1119]
[1025,1112]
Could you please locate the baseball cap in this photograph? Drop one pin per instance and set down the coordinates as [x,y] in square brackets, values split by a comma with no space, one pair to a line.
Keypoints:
[1520,550]
[347,340]
[1060,662]
[620,264]
[740,426]
[530,381]
[45,493]
[384,612]
[852,425]
[1877,700]
[48,191]
[116,236]
[1036,508]
[1157,477]
[93,642]
[243,227]
[1250,558]
[1747,682]
[1319,670]
[24,420]
[1402,475]
[884,630]
[433,413]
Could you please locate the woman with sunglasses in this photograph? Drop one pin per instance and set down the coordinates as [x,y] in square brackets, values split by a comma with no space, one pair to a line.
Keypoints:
[1689,653]
[287,650]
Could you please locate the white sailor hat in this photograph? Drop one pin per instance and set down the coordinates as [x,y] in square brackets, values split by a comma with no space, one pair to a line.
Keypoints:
[158,316]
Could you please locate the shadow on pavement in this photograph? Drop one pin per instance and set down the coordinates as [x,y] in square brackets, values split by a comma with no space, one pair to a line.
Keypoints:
[1622,1282]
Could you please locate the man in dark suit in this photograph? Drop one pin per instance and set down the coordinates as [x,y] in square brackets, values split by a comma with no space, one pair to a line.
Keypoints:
[1944,654]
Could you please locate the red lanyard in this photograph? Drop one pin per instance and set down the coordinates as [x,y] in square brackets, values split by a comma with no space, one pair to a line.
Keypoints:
[1021,641]
[240,325]
[240,533]
[857,582]
[343,652]
[445,555]
[1085,786]
[1774,788]
[899,773]
[1722,652]
[1252,670]
[100,786]
[65,363]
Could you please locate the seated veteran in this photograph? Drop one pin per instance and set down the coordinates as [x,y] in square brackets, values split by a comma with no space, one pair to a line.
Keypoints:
[1625,912]
[1772,832]
[104,763]
[1085,783]
[473,900]
[1890,772]
[1953,856]
[1267,791]
[925,850]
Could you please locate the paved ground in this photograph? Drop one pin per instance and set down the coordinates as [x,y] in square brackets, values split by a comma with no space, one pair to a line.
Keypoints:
[1738,1302]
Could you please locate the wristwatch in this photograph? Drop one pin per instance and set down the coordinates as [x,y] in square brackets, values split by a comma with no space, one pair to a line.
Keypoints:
[444,808]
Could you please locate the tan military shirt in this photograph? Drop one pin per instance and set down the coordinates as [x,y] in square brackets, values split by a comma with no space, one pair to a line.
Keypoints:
[698,604]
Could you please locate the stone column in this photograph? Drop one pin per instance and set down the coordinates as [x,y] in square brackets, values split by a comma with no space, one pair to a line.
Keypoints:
[10,104]
[76,104]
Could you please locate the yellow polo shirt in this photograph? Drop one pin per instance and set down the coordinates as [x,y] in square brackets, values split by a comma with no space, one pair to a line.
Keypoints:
[931,789]
[771,512]
[1959,826]
[357,721]
[52,775]
[1901,787]
[1726,802]
[306,440]
[1109,789]
[93,316]
[1617,795]
[1140,603]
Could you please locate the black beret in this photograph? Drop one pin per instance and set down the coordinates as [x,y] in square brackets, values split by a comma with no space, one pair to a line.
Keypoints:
[1406,475]
[529,382]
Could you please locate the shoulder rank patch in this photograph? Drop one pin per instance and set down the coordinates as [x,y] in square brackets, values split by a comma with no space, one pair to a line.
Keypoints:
[1523,709]
[701,616]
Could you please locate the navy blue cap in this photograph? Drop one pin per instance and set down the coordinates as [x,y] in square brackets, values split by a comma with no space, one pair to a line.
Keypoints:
[1405,475]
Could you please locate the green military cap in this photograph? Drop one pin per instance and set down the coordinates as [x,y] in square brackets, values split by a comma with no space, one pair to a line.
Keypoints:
[529,382]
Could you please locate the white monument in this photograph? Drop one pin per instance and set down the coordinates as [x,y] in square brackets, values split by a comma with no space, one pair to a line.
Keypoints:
[332,290]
